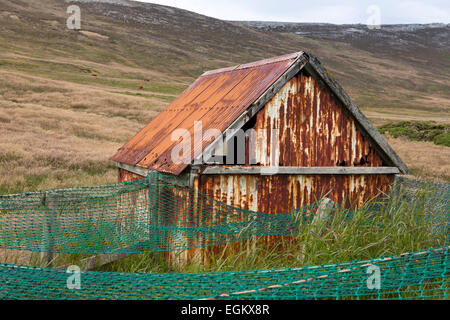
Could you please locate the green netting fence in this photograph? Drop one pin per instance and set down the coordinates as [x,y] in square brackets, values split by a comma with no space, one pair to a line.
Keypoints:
[410,276]
[148,215]
[153,215]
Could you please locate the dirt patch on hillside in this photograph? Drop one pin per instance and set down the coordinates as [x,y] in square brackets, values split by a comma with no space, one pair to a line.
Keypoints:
[94,35]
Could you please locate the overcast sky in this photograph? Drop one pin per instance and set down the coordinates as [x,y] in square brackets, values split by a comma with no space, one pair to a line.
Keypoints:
[331,11]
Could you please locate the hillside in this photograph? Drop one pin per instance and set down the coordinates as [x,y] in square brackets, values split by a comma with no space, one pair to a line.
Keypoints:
[397,66]
[69,99]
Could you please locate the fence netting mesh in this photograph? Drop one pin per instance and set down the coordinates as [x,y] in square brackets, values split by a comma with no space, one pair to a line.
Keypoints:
[153,215]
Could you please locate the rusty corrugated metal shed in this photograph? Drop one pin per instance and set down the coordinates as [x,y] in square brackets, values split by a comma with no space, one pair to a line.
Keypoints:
[217,99]
[221,98]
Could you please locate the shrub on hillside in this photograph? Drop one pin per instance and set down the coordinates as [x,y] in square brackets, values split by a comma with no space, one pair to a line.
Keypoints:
[419,131]
[443,139]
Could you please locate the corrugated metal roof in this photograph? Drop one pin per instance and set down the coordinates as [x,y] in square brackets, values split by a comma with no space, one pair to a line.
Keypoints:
[217,99]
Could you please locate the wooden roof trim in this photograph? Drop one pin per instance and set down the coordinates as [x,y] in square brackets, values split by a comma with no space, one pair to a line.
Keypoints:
[256,170]
[133,169]
[292,56]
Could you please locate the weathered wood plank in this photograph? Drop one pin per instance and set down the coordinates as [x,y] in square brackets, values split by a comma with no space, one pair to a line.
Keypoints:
[137,170]
[101,260]
[218,170]
[48,242]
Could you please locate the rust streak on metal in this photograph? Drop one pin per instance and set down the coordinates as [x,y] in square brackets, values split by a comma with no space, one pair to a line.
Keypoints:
[275,194]
[124,175]
[313,130]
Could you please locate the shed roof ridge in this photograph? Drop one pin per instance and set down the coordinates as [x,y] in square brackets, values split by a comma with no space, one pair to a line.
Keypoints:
[253,64]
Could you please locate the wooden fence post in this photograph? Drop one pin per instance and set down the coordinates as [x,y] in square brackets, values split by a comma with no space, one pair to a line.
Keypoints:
[48,241]
[323,212]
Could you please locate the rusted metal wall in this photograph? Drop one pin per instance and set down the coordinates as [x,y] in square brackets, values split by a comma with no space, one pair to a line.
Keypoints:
[312,128]
[178,208]
[280,194]
[313,131]
[276,194]
[124,175]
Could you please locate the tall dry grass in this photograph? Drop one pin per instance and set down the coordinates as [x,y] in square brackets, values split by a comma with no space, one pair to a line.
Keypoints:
[57,134]
[425,159]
